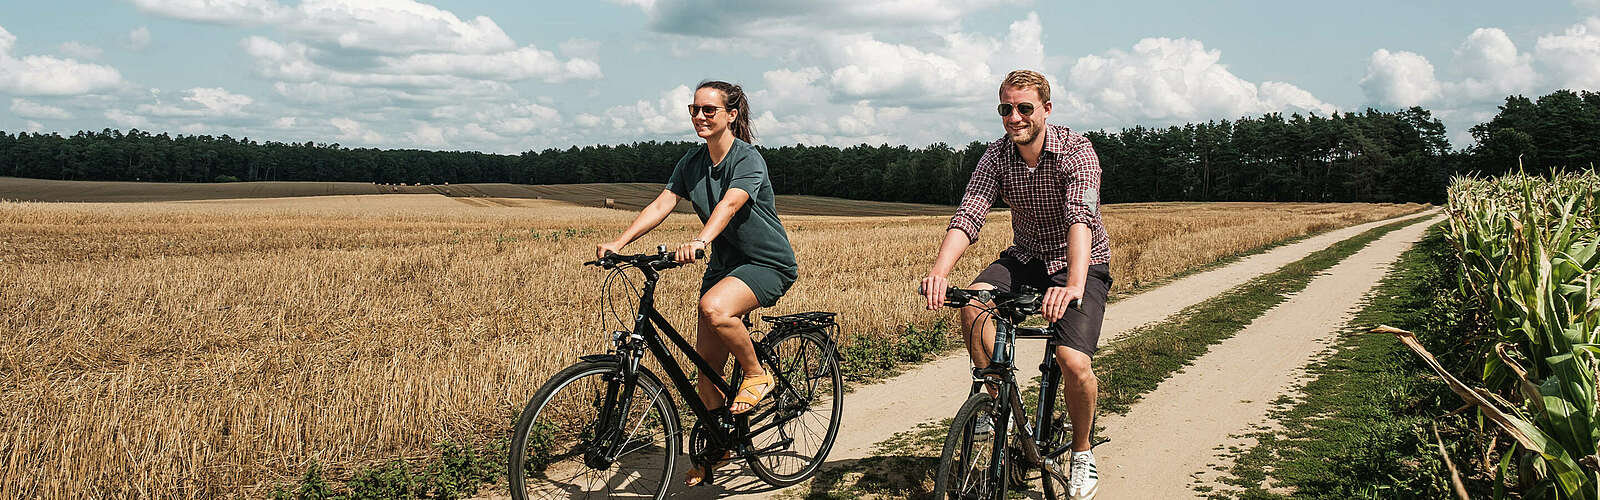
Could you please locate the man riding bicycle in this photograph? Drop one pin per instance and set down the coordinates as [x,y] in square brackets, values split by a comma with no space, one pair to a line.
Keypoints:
[1050,177]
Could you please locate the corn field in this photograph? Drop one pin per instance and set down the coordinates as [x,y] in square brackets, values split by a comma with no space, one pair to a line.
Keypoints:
[1528,252]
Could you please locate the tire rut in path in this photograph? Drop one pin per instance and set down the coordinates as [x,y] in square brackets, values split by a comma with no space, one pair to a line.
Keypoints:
[935,390]
[1170,437]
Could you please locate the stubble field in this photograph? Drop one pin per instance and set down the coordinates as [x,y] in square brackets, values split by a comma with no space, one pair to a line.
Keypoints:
[213,348]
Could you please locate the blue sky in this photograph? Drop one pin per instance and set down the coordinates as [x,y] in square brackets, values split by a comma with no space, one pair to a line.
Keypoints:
[512,76]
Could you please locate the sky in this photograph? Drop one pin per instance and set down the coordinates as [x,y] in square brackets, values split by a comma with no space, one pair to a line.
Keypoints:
[512,76]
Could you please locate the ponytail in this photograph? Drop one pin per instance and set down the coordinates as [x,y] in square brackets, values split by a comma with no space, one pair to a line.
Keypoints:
[734,100]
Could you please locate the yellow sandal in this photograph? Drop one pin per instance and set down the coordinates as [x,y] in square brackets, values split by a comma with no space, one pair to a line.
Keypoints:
[750,395]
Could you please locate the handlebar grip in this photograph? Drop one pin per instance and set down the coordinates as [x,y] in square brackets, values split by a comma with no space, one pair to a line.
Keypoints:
[1076,304]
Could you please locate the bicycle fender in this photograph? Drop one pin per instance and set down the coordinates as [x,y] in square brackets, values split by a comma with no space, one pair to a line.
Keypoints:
[599,357]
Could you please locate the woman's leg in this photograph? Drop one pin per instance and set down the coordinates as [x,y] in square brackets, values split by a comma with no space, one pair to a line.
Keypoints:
[722,332]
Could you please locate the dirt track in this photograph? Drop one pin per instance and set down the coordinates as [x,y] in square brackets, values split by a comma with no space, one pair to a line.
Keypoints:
[1192,416]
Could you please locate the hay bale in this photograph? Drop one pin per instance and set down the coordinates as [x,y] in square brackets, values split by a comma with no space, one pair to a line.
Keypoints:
[610,203]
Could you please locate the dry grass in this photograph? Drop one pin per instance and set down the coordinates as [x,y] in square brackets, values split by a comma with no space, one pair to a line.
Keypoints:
[204,349]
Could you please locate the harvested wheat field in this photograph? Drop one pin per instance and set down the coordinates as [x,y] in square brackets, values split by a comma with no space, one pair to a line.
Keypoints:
[213,348]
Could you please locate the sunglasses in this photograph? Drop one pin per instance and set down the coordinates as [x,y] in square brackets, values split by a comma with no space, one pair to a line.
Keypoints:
[707,110]
[1025,108]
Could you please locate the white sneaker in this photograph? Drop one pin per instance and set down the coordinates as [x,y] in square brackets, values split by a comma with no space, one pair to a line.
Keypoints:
[983,427]
[1084,480]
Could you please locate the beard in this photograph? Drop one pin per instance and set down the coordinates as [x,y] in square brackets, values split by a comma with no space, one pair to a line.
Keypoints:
[1024,136]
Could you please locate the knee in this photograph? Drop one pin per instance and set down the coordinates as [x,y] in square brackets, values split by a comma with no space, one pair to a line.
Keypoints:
[717,314]
[1075,366]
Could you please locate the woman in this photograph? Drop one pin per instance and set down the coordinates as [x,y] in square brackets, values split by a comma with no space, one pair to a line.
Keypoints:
[751,263]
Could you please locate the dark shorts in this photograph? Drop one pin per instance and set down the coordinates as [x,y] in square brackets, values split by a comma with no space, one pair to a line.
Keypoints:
[1079,328]
[768,284]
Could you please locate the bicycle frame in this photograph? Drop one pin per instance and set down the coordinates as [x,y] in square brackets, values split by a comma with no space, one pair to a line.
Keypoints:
[1002,367]
[649,325]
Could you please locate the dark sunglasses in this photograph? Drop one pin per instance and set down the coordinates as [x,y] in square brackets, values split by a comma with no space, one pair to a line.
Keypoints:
[707,110]
[1025,108]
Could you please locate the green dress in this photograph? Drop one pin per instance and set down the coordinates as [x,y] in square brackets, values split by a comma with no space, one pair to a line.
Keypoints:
[754,247]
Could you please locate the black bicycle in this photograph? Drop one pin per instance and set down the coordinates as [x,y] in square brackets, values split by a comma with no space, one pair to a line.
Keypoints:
[607,427]
[975,465]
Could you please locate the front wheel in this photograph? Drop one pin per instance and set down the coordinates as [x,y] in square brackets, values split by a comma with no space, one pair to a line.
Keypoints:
[792,435]
[577,439]
[964,466]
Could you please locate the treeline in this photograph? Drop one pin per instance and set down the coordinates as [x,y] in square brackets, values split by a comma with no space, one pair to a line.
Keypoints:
[1368,156]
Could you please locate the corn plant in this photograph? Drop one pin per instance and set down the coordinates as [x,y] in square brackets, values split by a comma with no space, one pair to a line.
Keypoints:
[1528,252]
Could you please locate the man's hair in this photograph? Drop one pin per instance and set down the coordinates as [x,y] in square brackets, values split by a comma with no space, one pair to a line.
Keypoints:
[1026,79]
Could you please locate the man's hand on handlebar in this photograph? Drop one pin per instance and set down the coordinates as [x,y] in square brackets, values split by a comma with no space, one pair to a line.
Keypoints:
[932,288]
[1057,299]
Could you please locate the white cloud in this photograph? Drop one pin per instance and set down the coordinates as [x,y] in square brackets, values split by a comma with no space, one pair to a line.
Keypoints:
[521,64]
[390,26]
[663,118]
[396,26]
[201,102]
[216,11]
[128,120]
[870,124]
[139,38]
[29,109]
[714,18]
[1168,81]
[1400,79]
[287,122]
[1573,57]
[34,126]
[426,135]
[45,75]
[80,50]
[351,130]
[872,69]
[1492,68]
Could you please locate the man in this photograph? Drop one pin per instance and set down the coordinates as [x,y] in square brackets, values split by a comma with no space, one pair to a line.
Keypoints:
[1050,177]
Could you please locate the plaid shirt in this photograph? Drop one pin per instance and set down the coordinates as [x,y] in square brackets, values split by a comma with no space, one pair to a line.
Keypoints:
[1045,201]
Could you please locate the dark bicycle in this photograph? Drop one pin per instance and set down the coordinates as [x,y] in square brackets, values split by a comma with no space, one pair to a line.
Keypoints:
[607,427]
[978,466]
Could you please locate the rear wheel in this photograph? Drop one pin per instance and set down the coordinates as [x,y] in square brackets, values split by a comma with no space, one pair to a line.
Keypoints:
[794,430]
[964,465]
[563,447]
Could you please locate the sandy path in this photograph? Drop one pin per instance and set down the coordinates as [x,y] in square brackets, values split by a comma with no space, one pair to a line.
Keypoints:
[1169,437]
[933,391]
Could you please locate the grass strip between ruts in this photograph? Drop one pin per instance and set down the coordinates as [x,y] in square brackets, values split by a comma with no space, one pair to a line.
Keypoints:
[1138,361]
[1128,368]
[1359,427]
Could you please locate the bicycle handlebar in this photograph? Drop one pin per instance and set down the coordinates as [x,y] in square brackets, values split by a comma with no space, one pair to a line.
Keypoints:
[1026,300]
[662,259]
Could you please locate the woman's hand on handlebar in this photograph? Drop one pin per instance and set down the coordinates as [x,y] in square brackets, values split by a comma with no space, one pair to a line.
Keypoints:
[602,249]
[687,252]
[932,288]
[1057,299]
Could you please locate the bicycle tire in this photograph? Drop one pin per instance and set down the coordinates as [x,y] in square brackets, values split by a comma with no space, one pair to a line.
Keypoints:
[552,451]
[964,464]
[810,364]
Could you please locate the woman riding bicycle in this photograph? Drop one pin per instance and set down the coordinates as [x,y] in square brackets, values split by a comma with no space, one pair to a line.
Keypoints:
[751,263]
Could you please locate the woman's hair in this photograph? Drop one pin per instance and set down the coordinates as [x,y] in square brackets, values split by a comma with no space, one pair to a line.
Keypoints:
[734,99]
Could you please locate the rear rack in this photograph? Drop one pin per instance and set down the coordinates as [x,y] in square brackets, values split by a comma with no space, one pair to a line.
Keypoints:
[805,319]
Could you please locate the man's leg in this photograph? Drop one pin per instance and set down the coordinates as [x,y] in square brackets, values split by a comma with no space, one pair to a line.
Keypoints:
[978,328]
[1079,389]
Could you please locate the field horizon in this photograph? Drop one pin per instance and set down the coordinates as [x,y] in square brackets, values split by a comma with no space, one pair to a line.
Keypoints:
[623,195]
